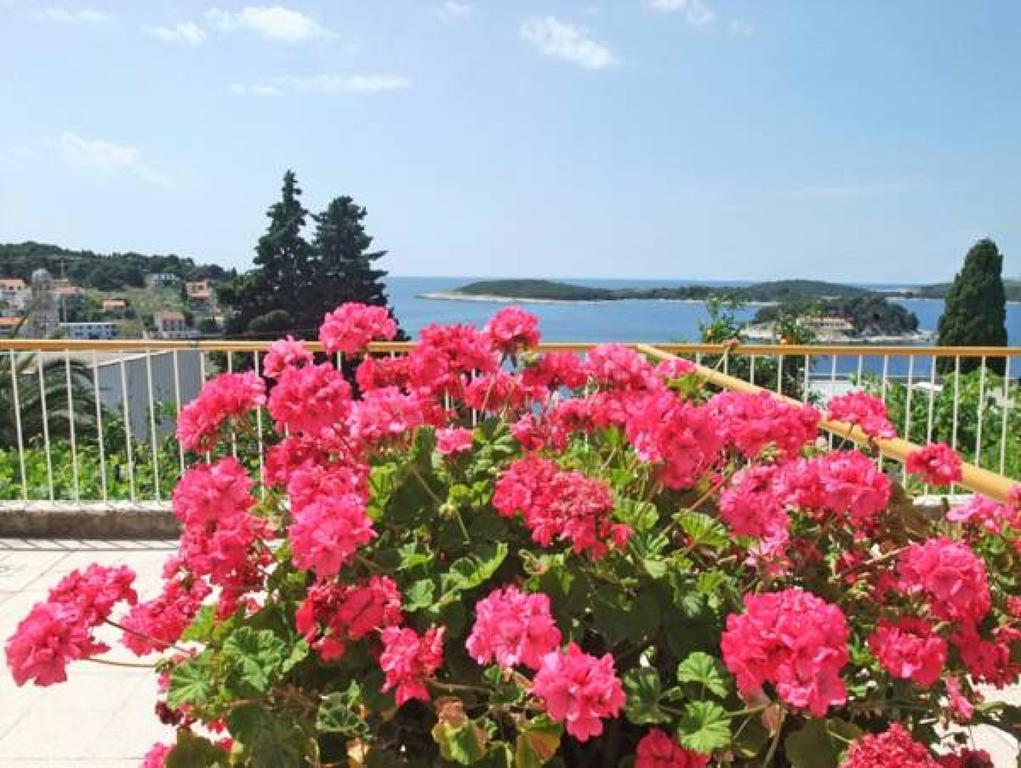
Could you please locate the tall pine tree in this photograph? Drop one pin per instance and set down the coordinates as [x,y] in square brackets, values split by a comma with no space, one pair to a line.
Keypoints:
[976,308]
[267,300]
[294,283]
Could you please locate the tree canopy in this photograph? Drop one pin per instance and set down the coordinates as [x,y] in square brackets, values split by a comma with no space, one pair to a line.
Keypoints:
[294,282]
[976,309]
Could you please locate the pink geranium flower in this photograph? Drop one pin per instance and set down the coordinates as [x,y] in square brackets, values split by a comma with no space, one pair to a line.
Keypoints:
[579,690]
[511,628]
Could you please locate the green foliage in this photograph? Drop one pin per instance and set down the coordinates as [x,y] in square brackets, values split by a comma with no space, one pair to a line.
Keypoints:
[294,282]
[104,272]
[975,313]
[981,399]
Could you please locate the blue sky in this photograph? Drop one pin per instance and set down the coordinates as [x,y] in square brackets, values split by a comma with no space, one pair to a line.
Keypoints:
[868,140]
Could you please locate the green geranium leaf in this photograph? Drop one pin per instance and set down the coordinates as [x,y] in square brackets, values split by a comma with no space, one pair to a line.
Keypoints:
[704,727]
[257,655]
[338,713]
[419,595]
[820,743]
[195,752]
[703,530]
[460,739]
[537,742]
[191,683]
[706,670]
[474,570]
[643,690]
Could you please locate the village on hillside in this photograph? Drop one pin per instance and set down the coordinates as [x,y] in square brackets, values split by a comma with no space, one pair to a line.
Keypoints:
[166,307]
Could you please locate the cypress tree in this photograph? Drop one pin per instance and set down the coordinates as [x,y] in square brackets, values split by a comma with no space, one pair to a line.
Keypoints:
[975,313]
[343,268]
[279,279]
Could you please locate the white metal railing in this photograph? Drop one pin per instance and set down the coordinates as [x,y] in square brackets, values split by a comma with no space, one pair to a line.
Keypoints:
[93,421]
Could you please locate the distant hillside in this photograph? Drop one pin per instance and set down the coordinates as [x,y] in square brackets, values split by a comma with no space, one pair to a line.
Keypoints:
[551,290]
[1012,289]
[104,272]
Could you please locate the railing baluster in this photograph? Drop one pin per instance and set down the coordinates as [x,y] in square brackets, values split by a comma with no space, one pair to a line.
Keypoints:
[202,383]
[957,404]
[258,431]
[1006,411]
[46,423]
[127,428]
[908,392]
[152,424]
[779,375]
[807,383]
[980,412]
[17,424]
[177,407]
[932,401]
[751,370]
[833,387]
[99,426]
[233,432]
[861,367]
[886,378]
[70,425]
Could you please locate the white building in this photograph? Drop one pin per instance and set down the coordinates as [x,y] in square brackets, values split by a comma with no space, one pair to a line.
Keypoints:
[160,279]
[13,292]
[94,330]
[172,325]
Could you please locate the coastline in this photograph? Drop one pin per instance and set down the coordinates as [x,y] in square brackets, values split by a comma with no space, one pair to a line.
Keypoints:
[497,299]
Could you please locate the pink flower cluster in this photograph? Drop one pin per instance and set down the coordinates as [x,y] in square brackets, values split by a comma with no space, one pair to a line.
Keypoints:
[227,396]
[683,439]
[559,505]
[333,614]
[615,366]
[384,415]
[154,625]
[512,628]
[863,409]
[350,327]
[327,532]
[949,576]
[750,422]
[894,748]
[453,440]
[579,690]
[310,399]
[408,660]
[753,504]
[845,483]
[909,649]
[60,629]
[220,539]
[658,750]
[512,329]
[936,464]
[794,640]
[284,354]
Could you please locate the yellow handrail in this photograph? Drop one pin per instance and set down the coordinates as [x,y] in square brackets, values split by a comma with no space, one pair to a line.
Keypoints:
[973,478]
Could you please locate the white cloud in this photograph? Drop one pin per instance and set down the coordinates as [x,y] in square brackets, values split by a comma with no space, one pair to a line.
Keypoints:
[326,84]
[740,28]
[565,41]
[453,8]
[81,16]
[274,22]
[184,34]
[256,89]
[106,159]
[696,12]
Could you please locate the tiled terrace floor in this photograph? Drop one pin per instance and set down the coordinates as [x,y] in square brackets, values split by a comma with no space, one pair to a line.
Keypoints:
[102,717]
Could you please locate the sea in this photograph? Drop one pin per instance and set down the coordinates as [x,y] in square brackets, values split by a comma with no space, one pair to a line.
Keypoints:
[633,320]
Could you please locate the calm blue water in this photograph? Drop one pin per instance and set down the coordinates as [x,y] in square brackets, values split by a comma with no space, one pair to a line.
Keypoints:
[653,321]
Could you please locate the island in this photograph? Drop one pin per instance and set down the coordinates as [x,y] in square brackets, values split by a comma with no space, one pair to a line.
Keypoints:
[833,312]
[538,291]
[866,318]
